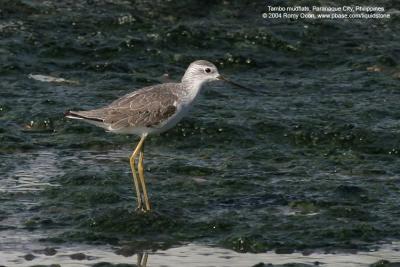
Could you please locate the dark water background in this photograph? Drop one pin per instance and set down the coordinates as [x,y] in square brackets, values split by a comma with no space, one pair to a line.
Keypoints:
[310,161]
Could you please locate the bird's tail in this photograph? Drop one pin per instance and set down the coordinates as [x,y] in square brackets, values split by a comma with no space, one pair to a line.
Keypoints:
[77,115]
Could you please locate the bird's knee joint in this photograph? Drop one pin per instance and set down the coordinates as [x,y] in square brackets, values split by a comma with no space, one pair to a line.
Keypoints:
[132,159]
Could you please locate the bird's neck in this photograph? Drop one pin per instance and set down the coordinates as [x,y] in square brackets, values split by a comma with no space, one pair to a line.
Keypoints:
[191,89]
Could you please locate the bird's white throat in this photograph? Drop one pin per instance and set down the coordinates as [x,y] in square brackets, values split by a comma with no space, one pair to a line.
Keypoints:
[191,89]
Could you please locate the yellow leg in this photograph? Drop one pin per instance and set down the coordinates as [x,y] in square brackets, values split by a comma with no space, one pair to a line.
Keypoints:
[139,259]
[135,183]
[135,178]
[142,259]
[142,180]
[144,262]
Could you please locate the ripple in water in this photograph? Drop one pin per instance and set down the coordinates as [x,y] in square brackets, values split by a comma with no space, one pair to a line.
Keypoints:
[33,173]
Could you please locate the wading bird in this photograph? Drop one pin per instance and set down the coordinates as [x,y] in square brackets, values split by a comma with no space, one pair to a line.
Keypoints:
[151,110]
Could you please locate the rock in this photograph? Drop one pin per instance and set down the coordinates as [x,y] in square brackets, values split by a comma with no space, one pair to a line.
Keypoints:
[29,257]
[78,256]
[284,251]
[46,251]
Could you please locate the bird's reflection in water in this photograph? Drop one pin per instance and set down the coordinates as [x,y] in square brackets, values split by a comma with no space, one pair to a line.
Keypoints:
[142,259]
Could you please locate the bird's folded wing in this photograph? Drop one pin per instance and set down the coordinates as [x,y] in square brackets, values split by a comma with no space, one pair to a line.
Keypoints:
[148,107]
[150,115]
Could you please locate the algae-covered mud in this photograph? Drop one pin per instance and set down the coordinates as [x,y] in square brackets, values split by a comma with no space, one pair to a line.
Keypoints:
[308,164]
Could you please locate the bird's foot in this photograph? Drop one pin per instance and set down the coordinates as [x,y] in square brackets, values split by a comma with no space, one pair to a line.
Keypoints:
[140,209]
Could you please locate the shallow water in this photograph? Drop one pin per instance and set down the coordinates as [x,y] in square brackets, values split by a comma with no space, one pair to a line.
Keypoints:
[308,162]
[193,255]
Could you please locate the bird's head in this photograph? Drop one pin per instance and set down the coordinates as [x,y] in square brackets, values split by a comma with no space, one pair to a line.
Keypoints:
[202,71]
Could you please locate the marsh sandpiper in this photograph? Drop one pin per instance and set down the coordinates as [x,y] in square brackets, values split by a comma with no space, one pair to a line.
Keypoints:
[151,110]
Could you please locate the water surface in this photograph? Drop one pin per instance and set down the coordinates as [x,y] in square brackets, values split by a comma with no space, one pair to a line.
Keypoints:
[310,162]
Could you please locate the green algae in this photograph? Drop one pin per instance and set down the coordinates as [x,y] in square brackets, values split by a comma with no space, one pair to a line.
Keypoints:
[309,161]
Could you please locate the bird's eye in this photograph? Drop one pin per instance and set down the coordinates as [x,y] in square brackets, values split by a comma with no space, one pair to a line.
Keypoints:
[207,70]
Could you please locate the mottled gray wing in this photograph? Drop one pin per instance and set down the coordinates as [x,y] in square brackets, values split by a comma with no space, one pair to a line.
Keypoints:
[147,107]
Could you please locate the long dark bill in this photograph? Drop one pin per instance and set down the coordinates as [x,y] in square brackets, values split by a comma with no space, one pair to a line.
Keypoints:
[235,84]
